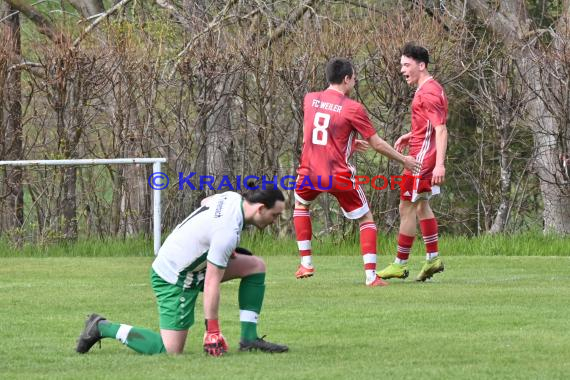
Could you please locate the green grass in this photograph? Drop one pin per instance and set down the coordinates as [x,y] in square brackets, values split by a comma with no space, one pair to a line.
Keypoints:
[483,318]
[138,246]
[523,244]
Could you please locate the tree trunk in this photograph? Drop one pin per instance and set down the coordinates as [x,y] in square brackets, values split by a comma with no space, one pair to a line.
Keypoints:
[219,137]
[70,202]
[69,105]
[500,220]
[88,8]
[545,127]
[134,180]
[510,23]
[117,179]
[42,23]
[13,142]
[504,96]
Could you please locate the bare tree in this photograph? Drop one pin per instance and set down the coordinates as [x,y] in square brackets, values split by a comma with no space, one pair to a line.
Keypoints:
[11,117]
[217,87]
[510,22]
[499,101]
[42,23]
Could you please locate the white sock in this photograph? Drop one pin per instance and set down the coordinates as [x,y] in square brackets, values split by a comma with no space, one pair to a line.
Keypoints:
[307,261]
[305,245]
[248,316]
[431,256]
[123,333]
[367,259]
[370,275]
[401,261]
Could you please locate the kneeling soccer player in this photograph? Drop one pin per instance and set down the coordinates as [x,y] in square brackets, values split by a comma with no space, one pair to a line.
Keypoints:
[198,256]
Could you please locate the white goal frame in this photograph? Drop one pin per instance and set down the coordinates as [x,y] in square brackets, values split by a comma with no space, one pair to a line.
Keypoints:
[156,217]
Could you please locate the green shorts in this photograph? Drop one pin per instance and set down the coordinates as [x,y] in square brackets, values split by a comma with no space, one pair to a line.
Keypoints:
[175,304]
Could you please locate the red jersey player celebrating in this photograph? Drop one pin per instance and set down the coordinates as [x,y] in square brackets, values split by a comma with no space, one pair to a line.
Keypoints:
[428,143]
[331,122]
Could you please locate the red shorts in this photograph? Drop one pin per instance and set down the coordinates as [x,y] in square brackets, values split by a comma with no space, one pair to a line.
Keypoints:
[413,188]
[352,200]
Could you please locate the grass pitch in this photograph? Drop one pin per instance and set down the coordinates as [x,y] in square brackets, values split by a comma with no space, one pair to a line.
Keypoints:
[483,318]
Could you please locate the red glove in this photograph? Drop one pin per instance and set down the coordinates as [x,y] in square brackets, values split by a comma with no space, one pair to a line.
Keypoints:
[214,342]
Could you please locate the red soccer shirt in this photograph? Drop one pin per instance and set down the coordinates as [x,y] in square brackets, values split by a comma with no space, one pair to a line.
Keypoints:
[331,122]
[429,109]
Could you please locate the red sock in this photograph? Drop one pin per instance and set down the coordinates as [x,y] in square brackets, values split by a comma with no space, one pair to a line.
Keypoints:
[368,244]
[303,230]
[429,231]
[405,243]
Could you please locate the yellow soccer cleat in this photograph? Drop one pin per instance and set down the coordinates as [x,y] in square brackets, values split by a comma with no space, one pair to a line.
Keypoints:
[430,268]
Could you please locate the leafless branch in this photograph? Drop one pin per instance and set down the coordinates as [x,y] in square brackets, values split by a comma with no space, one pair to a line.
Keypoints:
[43,24]
[97,21]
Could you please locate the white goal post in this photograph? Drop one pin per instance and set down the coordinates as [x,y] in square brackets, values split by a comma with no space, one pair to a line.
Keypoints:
[156,219]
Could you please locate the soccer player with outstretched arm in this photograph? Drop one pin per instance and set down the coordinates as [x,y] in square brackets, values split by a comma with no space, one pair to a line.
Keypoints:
[331,123]
[197,257]
[427,141]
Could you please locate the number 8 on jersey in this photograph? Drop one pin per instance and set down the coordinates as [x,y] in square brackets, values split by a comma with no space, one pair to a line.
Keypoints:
[321,123]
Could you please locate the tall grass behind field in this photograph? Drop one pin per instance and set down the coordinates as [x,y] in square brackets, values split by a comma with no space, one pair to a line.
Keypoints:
[139,246]
[264,244]
[525,244]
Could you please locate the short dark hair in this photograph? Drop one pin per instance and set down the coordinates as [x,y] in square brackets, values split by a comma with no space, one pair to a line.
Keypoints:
[337,69]
[416,52]
[268,194]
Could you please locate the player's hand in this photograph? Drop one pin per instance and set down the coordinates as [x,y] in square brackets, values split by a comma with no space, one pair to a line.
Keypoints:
[402,142]
[412,165]
[438,176]
[214,342]
[361,145]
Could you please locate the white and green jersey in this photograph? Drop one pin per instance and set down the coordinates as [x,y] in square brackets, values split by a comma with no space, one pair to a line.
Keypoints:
[211,233]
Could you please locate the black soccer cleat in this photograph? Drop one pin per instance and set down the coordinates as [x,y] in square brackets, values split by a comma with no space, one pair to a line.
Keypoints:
[262,345]
[90,334]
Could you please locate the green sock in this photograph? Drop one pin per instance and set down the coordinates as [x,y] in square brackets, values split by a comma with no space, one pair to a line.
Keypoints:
[141,340]
[251,291]
[248,331]
[145,341]
[108,329]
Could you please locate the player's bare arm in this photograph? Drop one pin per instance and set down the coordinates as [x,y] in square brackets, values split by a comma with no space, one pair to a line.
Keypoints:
[441,148]
[214,342]
[385,149]
[212,283]
[402,142]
